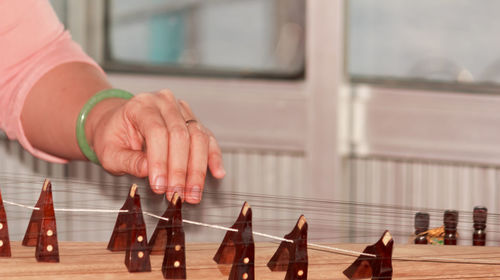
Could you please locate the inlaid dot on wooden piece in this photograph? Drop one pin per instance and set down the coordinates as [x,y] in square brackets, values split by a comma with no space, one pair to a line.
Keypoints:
[177,263]
[50,248]
[300,272]
[1,225]
[50,232]
[1,243]
[140,254]
[177,247]
[245,276]
[140,238]
[246,260]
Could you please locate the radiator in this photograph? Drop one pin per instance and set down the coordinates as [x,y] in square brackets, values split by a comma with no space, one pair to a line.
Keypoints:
[260,178]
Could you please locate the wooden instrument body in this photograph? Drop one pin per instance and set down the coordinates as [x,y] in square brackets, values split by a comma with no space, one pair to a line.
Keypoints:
[81,260]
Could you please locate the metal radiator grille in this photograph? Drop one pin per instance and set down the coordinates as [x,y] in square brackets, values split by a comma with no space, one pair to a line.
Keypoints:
[251,174]
[409,186]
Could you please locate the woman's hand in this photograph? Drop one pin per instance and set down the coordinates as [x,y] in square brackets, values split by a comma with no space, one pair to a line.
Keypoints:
[151,134]
[155,135]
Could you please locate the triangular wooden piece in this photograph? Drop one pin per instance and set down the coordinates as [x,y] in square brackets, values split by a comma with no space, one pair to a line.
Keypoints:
[158,240]
[4,232]
[42,230]
[379,267]
[47,248]
[137,251]
[31,235]
[174,260]
[237,248]
[292,257]
[119,237]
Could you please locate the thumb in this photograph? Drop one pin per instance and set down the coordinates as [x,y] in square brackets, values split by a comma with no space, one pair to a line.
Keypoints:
[130,162]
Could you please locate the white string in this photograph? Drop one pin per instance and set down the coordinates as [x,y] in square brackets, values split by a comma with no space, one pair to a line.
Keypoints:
[89,210]
[350,252]
[209,225]
[272,237]
[193,222]
[155,216]
[219,227]
[67,209]
[21,205]
[430,259]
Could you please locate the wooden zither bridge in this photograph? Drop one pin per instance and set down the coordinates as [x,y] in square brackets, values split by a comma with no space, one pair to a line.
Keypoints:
[237,257]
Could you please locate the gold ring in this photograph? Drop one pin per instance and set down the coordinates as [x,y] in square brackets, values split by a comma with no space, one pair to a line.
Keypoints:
[190,121]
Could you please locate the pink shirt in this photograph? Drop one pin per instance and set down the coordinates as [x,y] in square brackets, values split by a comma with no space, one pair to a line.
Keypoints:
[32,42]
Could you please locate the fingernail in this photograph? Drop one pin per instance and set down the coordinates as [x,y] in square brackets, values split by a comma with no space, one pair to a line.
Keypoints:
[160,184]
[177,189]
[195,194]
[222,172]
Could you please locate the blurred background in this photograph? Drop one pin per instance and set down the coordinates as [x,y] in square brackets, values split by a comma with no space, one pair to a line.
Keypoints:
[355,113]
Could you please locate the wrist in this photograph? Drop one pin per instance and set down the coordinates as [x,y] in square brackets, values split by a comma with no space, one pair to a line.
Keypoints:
[105,107]
[99,113]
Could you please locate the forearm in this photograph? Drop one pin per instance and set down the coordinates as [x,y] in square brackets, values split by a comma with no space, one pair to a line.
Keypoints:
[52,106]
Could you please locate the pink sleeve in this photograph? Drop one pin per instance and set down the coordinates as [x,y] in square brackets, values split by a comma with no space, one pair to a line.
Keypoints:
[32,42]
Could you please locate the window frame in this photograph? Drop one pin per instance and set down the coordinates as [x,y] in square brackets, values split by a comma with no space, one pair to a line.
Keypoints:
[427,85]
[451,110]
[111,64]
[435,125]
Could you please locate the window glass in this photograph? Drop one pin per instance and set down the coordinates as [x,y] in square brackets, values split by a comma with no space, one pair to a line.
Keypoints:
[437,40]
[227,36]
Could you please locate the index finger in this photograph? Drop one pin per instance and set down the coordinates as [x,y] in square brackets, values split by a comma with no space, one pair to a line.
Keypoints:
[152,127]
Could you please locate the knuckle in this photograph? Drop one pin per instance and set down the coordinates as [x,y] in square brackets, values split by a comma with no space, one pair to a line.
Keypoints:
[211,138]
[184,103]
[199,136]
[159,165]
[141,98]
[179,132]
[167,94]
[157,129]
[134,164]
[198,173]
[215,154]
[179,172]
[139,104]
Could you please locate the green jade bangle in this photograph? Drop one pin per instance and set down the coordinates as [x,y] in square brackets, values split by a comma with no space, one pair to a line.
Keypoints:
[82,117]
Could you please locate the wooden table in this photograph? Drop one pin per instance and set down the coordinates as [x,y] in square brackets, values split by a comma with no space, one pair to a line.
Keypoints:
[93,261]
